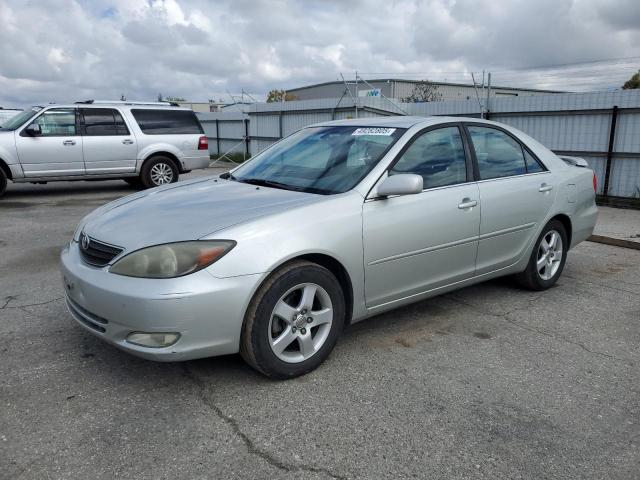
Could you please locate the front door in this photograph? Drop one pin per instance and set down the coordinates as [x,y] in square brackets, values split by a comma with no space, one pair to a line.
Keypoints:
[57,151]
[109,146]
[516,194]
[417,243]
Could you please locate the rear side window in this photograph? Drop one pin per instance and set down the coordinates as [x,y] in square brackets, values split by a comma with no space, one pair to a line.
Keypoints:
[498,154]
[167,122]
[103,122]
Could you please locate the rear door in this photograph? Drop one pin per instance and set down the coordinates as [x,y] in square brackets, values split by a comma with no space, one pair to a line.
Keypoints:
[108,145]
[57,151]
[516,192]
[417,243]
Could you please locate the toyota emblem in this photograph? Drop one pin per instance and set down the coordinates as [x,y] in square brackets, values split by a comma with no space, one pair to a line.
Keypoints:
[84,241]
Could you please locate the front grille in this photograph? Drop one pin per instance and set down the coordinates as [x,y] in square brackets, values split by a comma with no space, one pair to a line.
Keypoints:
[97,253]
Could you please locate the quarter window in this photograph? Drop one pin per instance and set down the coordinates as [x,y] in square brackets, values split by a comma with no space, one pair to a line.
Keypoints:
[167,122]
[438,156]
[103,122]
[498,154]
[533,165]
[57,122]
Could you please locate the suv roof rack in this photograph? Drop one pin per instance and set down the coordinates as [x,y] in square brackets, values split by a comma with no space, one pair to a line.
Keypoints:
[125,102]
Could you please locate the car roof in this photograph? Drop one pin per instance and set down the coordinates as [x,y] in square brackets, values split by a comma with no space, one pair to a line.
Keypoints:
[114,104]
[399,121]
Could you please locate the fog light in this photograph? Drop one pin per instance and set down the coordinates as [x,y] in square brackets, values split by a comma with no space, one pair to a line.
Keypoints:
[153,340]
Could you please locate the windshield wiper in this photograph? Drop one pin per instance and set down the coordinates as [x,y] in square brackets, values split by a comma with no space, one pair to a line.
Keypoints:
[228,176]
[268,183]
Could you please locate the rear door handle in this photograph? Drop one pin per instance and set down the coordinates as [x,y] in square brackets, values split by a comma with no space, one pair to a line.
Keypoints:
[127,141]
[467,203]
[545,188]
[69,142]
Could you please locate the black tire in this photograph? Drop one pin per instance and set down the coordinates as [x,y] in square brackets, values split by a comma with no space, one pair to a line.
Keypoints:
[255,346]
[148,173]
[531,278]
[135,182]
[3,182]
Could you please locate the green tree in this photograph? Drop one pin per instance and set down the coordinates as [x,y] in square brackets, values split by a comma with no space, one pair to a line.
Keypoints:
[633,82]
[276,95]
[423,91]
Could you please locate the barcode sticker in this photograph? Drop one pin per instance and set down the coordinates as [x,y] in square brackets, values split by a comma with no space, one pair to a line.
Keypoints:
[374,131]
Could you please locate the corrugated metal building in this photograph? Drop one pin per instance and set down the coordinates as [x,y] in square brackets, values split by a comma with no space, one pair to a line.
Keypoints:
[399,88]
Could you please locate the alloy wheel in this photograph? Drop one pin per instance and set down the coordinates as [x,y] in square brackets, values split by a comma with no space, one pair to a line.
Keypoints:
[549,255]
[300,323]
[161,174]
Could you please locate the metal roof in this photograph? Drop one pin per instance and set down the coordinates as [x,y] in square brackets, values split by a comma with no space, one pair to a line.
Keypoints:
[400,121]
[403,80]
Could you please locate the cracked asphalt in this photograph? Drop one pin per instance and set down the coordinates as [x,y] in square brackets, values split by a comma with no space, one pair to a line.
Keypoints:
[487,382]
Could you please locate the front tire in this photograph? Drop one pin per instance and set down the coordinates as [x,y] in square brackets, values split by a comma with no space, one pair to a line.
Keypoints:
[3,182]
[547,259]
[158,171]
[293,321]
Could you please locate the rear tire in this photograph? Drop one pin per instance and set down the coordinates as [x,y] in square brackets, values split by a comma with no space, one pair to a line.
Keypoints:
[547,259]
[293,321]
[3,182]
[158,171]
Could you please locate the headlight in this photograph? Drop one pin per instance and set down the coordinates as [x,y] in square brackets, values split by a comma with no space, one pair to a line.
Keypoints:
[173,259]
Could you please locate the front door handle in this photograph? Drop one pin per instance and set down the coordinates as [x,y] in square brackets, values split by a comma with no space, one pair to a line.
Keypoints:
[68,143]
[467,203]
[545,188]
[127,141]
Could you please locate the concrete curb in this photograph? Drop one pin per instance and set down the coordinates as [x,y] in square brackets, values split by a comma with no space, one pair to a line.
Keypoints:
[617,242]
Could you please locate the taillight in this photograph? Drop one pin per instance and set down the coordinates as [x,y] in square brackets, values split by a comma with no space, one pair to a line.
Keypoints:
[595,183]
[203,143]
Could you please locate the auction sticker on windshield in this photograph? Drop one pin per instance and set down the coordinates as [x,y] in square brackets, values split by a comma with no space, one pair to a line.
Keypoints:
[374,131]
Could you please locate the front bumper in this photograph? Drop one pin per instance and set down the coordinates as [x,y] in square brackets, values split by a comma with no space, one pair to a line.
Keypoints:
[205,310]
[196,163]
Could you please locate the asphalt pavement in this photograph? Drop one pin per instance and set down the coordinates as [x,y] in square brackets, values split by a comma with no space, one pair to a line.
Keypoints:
[488,382]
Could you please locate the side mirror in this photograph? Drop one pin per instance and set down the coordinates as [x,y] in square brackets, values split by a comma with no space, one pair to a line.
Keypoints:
[33,130]
[401,184]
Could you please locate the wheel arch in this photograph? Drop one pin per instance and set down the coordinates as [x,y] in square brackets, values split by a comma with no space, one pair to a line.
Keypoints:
[336,268]
[169,155]
[566,223]
[5,168]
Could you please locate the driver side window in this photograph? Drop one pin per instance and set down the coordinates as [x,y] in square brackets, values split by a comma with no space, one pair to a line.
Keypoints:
[438,156]
[57,122]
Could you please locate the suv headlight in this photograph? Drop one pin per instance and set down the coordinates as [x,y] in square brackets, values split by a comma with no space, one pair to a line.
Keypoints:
[172,259]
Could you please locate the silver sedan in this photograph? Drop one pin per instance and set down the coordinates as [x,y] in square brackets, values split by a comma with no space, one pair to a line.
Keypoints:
[336,223]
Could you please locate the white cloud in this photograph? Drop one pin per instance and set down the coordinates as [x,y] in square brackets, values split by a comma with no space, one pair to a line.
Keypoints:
[66,50]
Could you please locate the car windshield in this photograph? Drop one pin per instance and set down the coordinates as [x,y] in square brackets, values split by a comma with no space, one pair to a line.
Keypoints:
[17,120]
[324,160]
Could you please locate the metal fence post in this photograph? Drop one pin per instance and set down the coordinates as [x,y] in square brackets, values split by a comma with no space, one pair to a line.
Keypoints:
[246,137]
[612,139]
[217,138]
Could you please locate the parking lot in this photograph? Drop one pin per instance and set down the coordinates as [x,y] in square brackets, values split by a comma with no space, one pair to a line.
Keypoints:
[488,382]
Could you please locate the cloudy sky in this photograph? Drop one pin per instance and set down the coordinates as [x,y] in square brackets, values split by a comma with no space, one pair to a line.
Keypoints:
[65,50]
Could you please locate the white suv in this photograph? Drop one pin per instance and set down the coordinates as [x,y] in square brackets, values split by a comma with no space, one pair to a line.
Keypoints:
[145,144]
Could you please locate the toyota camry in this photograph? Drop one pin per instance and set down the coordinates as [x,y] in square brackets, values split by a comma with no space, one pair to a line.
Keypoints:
[333,224]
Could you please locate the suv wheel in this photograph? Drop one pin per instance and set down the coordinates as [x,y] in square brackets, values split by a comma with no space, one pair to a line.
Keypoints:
[158,171]
[3,182]
[293,321]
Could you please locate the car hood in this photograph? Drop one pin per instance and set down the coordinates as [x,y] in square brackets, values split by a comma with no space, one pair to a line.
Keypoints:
[186,211]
